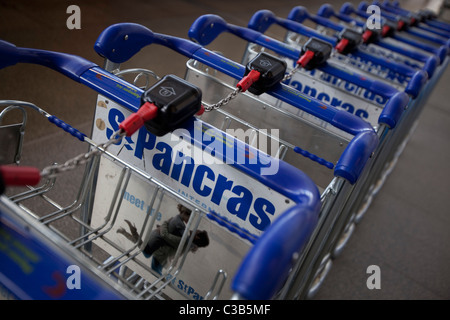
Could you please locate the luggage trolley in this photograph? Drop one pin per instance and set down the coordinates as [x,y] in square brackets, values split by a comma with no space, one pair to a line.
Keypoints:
[246,111]
[208,27]
[36,253]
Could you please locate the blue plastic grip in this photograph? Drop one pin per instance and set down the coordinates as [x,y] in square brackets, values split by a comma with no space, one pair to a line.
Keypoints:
[326,11]
[416,83]
[66,127]
[70,65]
[119,42]
[393,110]
[206,28]
[355,156]
[9,54]
[299,14]
[265,268]
[347,9]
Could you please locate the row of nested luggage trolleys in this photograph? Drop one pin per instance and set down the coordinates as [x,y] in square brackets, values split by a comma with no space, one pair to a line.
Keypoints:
[277,157]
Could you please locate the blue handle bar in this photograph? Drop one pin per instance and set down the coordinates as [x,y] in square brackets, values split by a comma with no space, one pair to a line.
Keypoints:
[69,65]
[441,51]
[430,61]
[265,268]
[262,19]
[77,69]
[350,163]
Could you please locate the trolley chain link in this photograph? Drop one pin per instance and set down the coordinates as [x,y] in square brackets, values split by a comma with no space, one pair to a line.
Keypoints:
[291,73]
[54,170]
[224,101]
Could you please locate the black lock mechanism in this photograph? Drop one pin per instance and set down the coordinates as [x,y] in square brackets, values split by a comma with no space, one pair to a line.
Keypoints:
[314,53]
[165,107]
[262,73]
[348,40]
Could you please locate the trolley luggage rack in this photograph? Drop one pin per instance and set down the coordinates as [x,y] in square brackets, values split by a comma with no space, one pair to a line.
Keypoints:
[98,225]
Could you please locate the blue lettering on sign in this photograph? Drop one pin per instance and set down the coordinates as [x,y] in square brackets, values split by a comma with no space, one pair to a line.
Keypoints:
[335,102]
[198,177]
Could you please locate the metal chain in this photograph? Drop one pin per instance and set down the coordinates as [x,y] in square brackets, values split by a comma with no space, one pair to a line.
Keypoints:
[291,73]
[54,170]
[224,101]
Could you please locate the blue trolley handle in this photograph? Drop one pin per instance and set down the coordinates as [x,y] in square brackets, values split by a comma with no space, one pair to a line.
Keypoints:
[430,61]
[208,27]
[120,42]
[265,268]
[441,52]
[77,69]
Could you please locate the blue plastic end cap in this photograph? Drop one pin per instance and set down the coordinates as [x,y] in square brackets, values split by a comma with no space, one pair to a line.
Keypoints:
[354,158]
[298,14]
[394,109]
[347,8]
[430,65]
[207,28]
[416,83]
[326,10]
[120,42]
[345,172]
[442,53]
[9,54]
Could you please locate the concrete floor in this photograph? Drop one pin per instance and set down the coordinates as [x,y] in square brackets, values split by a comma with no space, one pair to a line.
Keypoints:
[406,230]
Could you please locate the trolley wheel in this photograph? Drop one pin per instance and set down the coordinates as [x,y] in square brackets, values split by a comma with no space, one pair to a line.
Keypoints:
[365,206]
[343,240]
[320,276]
